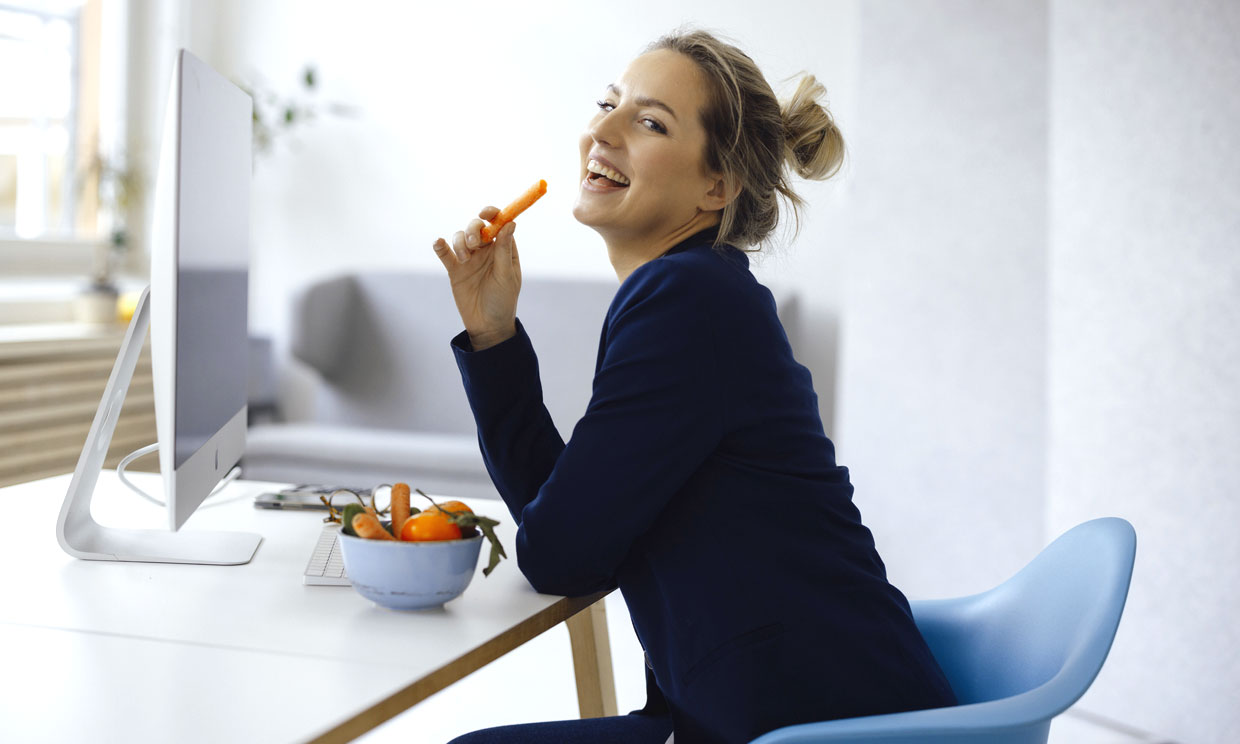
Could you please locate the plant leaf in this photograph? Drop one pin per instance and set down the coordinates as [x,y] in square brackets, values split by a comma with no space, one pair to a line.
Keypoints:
[497,551]
[346,517]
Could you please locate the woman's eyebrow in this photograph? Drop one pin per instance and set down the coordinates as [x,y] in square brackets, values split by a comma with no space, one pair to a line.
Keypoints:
[644,100]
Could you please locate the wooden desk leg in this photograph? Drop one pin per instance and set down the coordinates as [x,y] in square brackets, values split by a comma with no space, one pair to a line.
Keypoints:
[596,685]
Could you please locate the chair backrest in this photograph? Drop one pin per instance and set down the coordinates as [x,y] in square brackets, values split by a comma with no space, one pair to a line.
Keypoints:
[1047,629]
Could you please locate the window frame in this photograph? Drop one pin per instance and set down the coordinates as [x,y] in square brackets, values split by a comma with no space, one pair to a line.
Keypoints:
[70,251]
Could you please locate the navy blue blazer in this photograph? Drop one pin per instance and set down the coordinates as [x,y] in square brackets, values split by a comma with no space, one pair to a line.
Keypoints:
[701,483]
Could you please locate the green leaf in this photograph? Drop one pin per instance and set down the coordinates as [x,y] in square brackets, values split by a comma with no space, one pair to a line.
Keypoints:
[346,517]
[497,551]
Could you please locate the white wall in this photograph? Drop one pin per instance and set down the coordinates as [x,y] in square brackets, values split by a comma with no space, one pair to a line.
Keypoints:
[943,331]
[1041,315]
[1144,395]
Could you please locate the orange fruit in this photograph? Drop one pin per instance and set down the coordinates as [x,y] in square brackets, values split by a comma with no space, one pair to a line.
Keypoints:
[452,507]
[429,525]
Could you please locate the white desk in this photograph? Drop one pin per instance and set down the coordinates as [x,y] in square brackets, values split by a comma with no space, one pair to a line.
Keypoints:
[137,652]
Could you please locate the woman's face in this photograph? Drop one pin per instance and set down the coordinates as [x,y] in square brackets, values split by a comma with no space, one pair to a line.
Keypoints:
[643,175]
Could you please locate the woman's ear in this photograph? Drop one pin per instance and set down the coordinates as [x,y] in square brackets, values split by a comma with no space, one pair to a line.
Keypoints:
[723,190]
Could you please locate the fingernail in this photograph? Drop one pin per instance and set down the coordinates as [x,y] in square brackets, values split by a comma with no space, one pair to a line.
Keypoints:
[471,241]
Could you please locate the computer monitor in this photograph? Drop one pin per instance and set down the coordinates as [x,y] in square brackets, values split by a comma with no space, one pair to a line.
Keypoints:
[199,284]
[197,314]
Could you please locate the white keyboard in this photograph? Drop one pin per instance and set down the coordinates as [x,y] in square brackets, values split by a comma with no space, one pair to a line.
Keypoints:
[326,567]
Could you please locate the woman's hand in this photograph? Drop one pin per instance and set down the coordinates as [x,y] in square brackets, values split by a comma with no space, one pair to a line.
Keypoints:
[485,280]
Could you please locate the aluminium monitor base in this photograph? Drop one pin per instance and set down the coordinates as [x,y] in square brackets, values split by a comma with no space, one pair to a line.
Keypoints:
[82,537]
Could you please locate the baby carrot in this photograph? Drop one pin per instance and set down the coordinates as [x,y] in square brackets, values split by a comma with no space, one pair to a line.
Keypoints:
[510,212]
[400,507]
[368,526]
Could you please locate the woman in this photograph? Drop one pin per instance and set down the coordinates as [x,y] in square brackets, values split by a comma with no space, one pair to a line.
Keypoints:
[699,481]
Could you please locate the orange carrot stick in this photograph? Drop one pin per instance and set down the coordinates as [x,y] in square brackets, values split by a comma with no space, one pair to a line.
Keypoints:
[510,212]
[400,507]
[369,527]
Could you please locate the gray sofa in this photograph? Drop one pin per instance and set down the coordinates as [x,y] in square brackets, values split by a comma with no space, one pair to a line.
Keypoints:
[386,397]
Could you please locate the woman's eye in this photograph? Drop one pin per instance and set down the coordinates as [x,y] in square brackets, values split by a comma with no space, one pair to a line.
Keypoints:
[607,106]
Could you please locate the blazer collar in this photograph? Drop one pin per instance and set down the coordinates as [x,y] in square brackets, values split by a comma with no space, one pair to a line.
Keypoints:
[704,240]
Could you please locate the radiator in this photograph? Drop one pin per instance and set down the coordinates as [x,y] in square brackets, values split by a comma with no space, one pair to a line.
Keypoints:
[51,380]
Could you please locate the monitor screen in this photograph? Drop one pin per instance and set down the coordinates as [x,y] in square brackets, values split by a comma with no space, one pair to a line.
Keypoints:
[212,253]
[211,357]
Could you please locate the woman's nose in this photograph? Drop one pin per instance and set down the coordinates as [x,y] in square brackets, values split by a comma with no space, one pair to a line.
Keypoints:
[604,133]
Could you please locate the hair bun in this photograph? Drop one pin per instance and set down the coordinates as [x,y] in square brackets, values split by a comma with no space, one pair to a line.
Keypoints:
[813,146]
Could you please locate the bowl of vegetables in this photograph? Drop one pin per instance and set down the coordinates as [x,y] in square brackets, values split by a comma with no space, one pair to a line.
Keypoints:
[419,559]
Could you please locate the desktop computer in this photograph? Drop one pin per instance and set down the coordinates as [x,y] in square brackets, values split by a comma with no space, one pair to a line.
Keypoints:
[196,309]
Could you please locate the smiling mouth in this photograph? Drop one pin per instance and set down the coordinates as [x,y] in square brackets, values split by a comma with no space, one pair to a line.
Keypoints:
[602,176]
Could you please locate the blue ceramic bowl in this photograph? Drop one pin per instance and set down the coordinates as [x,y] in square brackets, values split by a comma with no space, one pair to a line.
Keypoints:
[410,575]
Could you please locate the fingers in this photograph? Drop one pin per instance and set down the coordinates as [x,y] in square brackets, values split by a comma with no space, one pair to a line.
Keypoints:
[512,228]
[504,237]
[468,241]
[473,234]
[506,248]
[459,246]
[445,254]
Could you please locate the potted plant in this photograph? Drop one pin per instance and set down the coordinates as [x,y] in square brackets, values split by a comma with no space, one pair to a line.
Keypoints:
[119,186]
[275,114]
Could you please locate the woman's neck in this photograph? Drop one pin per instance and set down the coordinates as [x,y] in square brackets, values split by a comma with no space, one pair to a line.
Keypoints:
[629,252]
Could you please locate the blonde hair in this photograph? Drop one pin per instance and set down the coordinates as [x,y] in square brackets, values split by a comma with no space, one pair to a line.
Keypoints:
[754,140]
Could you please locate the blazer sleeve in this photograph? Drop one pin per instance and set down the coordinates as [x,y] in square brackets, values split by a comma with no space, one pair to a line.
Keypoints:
[518,440]
[655,415]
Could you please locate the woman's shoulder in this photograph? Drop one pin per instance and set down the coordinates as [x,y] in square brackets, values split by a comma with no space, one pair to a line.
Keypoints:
[700,276]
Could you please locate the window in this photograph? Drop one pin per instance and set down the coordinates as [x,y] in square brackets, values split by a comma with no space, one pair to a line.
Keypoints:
[39,119]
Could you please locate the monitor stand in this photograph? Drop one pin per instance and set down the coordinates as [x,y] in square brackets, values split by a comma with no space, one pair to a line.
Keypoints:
[78,532]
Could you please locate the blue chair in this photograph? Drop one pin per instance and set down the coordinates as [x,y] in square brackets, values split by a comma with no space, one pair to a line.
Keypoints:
[1017,655]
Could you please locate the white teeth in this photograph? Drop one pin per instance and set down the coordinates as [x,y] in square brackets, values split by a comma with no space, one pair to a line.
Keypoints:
[595,166]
